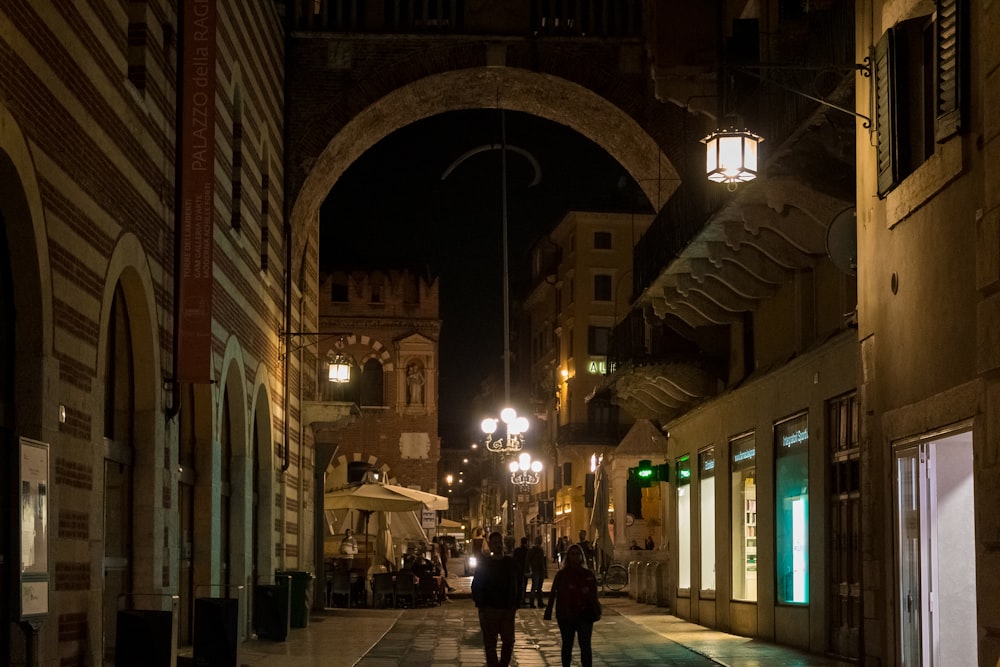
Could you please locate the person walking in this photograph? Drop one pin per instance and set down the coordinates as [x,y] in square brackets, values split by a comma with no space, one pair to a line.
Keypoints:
[538,566]
[521,559]
[443,552]
[494,590]
[574,594]
[587,548]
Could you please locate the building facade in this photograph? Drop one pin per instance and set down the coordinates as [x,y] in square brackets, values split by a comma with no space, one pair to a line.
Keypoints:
[144,262]
[386,322]
[827,415]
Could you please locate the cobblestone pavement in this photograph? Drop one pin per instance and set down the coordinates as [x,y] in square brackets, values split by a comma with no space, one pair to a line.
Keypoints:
[629,634]
[449,635]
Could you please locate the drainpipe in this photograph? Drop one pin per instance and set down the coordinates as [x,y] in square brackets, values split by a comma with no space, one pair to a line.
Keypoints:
[285,400]
[302,448]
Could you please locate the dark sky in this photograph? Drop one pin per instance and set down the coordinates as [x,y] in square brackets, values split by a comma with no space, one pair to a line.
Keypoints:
[393,206]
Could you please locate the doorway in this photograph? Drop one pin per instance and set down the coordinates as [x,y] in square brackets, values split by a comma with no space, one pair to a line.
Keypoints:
[935,550]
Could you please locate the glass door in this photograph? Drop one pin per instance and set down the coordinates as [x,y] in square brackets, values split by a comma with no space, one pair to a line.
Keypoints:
[936,552]
[908,522]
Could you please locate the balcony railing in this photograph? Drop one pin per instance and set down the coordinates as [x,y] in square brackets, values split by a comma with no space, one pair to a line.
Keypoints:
[677,224]
[582,18]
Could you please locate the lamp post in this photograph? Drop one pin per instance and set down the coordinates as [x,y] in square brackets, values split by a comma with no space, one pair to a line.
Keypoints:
[512,440]
[524,472]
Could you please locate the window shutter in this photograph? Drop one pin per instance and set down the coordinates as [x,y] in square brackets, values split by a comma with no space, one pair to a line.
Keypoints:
[885,113]
[948,81]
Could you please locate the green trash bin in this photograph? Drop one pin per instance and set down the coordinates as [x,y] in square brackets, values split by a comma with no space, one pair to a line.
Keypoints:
[301,596]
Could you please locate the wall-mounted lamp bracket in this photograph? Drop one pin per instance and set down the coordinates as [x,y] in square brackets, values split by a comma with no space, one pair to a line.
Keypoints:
[323,335]
[865,68]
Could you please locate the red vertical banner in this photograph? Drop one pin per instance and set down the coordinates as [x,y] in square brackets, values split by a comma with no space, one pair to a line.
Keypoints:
[197,191]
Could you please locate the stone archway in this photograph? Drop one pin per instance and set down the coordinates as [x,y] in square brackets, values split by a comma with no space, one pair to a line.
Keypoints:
[510,88]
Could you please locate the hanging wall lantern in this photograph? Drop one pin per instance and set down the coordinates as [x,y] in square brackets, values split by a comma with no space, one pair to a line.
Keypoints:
[731,156]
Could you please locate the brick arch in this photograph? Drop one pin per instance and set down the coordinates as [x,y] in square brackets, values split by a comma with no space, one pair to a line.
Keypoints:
[561,100]
[377,350]
[358,457]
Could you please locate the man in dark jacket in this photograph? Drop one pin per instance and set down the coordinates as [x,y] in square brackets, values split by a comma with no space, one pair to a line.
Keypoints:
[521,560]
[538,566]
[494,590]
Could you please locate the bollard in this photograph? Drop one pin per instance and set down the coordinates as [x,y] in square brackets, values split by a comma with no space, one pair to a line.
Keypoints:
[633,579]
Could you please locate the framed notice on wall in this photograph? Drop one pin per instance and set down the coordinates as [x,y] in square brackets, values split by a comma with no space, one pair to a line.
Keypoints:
[34,524]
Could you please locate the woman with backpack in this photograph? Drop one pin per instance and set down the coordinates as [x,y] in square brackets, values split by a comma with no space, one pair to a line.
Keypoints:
[574,593]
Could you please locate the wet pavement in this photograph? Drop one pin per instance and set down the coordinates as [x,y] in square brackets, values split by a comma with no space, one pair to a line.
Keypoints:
[629,634]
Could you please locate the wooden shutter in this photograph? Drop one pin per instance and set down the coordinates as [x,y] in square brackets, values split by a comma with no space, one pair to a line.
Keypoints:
[949,70]
[887,150]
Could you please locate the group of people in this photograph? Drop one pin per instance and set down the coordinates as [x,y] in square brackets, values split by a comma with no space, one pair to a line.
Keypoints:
[649,544]
[428,563]
[498,589]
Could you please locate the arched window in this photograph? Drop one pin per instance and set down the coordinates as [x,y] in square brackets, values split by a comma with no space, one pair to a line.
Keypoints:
[371,383]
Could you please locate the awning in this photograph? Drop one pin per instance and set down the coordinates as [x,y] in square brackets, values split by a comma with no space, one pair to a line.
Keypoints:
[448,523]
[404,526]
[430,500]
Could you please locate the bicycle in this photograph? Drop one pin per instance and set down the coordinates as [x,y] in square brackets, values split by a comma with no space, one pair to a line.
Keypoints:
[614,577]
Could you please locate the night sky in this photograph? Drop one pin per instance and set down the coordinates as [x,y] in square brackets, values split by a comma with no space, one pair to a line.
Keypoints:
[392,206]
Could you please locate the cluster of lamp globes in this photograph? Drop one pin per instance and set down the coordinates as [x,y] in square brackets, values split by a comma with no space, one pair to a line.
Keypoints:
[513,440]
[523,471]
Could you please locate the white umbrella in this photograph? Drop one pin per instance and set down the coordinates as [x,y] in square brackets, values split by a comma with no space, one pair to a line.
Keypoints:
[376,497]
[384,549]
[370,498]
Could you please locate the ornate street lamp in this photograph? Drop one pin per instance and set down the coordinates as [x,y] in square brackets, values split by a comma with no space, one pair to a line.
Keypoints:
[512,440]
[525,472]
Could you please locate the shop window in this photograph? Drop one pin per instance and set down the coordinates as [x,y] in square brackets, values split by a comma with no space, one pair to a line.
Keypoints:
[684,523]
[743,463]
[706,520]
[791,520]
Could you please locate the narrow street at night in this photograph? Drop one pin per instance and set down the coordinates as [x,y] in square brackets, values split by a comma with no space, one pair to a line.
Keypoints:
[629,634]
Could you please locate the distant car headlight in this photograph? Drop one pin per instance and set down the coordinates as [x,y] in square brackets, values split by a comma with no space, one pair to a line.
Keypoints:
[472,561]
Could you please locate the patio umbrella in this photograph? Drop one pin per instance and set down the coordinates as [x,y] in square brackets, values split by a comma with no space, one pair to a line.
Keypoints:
[384,549]
[371,497]
[603,546]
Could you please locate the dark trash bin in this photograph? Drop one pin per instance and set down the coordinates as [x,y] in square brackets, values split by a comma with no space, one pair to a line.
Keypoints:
[144,638]
[301,596]
[271,610]
[216,632]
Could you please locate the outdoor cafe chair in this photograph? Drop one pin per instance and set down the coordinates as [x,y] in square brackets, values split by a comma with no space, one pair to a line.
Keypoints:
[340,584]
[406,588]
[383,587]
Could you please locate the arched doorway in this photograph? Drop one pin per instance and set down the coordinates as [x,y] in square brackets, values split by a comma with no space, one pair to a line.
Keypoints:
[261,493]
[118,455]
[7,409]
